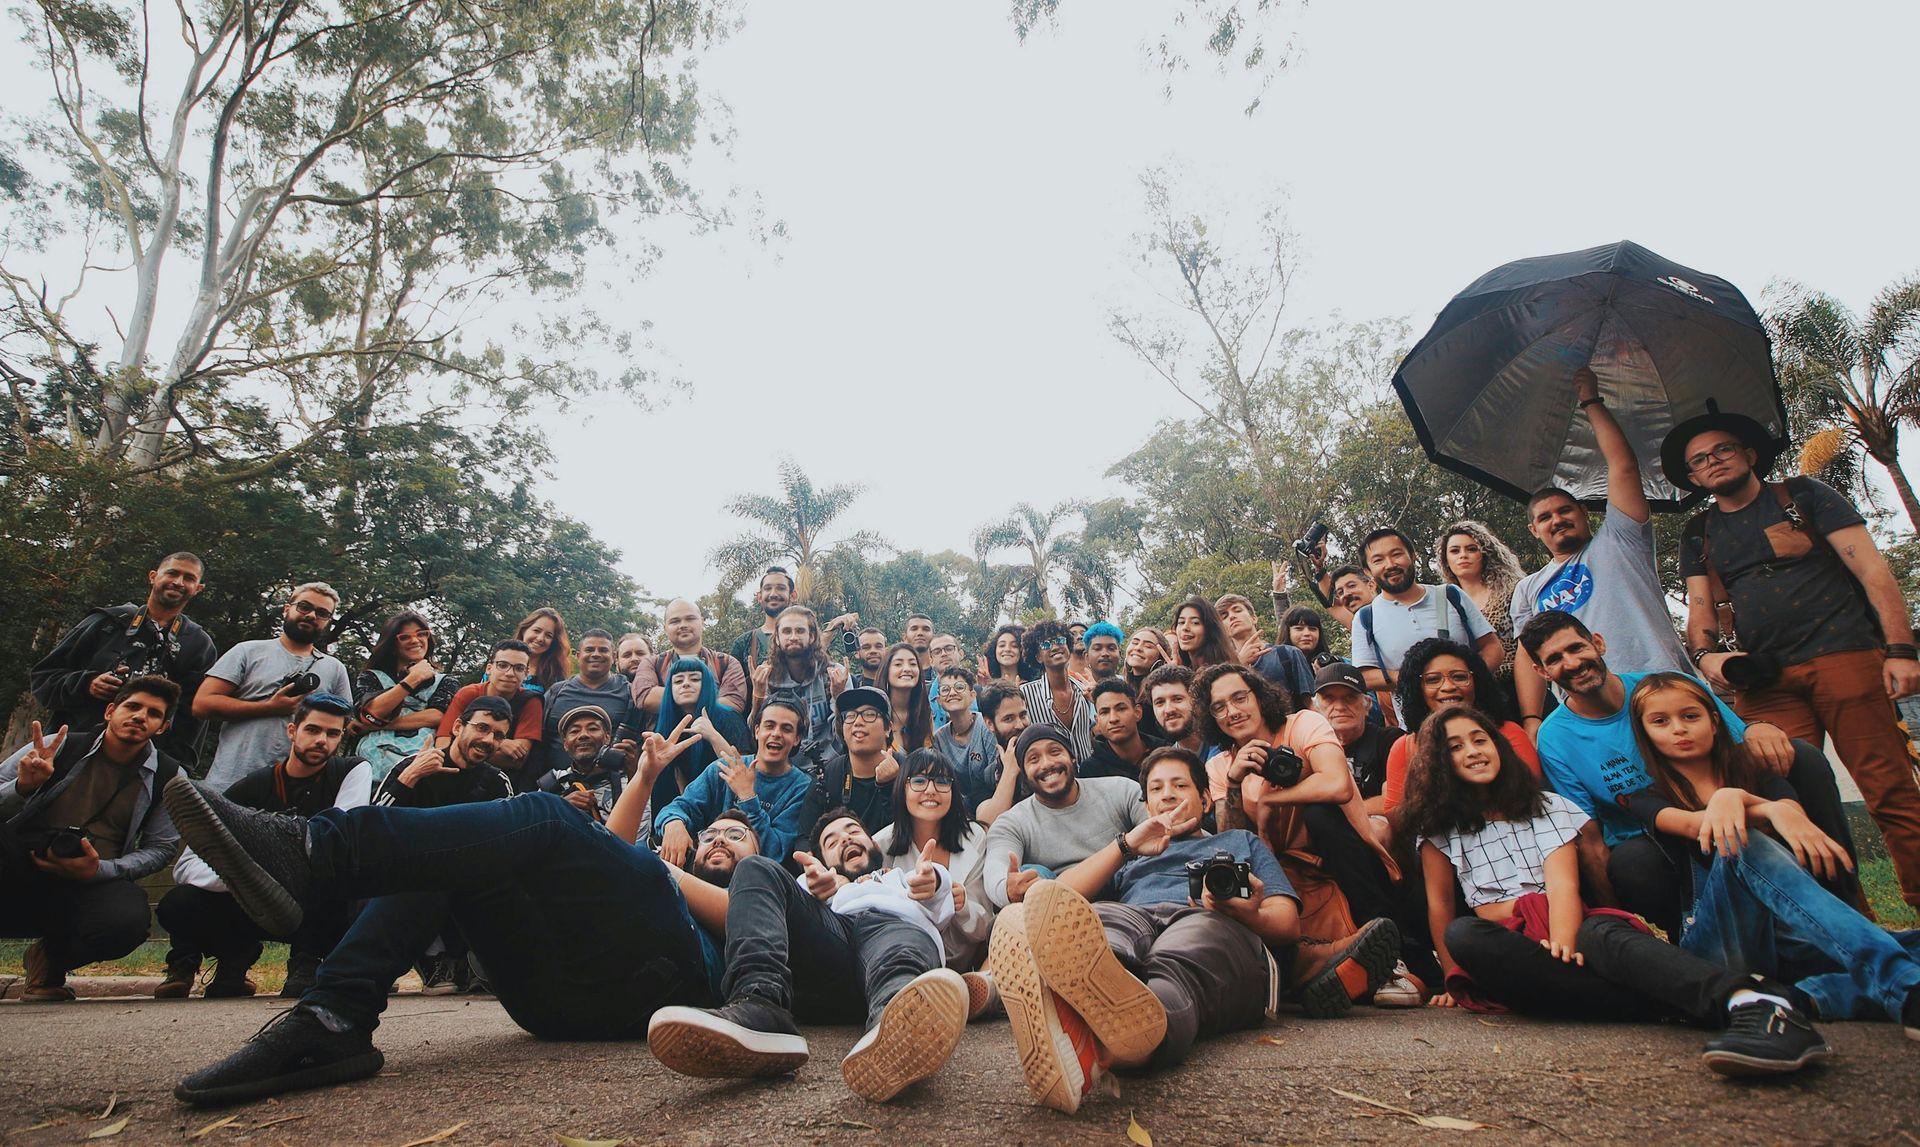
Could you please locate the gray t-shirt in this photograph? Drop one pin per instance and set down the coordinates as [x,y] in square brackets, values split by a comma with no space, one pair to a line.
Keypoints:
[1385,629]
[256,669]
[1613,587]
[1058,838]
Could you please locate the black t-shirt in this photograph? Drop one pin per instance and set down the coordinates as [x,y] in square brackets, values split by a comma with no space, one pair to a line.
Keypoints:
[307,796]
[1367,758]
[1792,595]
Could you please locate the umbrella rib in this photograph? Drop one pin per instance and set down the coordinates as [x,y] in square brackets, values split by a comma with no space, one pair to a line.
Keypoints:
[1521,353]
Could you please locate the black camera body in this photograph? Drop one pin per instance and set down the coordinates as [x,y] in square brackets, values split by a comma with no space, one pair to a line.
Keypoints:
[299,683]
[850,642]
[1746,671]
[1222,875]
[139,658]
[65,843]
[1308,546]
[1283,767]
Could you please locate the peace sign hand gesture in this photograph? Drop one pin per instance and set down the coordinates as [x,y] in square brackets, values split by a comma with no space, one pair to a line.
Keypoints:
[36,768]
[658,752]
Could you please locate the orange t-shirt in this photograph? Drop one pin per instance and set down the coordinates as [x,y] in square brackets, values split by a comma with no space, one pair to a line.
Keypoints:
[1395,788]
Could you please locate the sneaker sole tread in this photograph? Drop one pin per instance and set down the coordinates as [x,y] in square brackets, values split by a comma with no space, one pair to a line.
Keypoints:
[1377,950]
[1733,1063]
[1070,947]
[259,895]
[693,1042]
[919,1029]
[1025,1000]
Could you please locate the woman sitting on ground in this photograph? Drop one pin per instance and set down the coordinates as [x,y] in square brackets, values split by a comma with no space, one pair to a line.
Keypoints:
[1434,675]
[930,822]
[400,696]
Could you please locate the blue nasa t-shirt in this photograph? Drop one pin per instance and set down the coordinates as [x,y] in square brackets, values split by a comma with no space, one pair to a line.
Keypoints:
[1614,589]
[1595,763]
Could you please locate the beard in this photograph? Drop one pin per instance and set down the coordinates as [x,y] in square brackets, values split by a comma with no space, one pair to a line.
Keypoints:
[1400,584]
[875,861]
[718,875]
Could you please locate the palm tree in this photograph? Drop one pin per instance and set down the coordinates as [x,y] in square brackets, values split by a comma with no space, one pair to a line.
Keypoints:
[1052,553]
[1856,381]
[793,523]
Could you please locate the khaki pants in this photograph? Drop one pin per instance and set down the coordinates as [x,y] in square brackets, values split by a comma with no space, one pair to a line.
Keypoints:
[1843,696]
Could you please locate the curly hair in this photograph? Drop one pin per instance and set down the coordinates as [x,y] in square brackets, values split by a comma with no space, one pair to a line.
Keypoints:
[1488,697]
[1439,801]
[1038,632]
[1500,568]
[1274,706]
[1026,669]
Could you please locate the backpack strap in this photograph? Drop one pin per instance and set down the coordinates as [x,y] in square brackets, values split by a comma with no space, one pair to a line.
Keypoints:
[1717,596]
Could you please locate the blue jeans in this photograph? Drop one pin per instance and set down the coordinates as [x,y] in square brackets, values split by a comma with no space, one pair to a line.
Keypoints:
[1761,912]
[582,935]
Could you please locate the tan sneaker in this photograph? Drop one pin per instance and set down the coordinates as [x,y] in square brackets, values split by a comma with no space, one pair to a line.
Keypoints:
[1070,947]
[983,999]
[916,1035]
[1057,1050]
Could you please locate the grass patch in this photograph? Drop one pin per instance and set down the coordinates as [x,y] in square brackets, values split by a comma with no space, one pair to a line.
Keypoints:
[1883,894]
[150,959]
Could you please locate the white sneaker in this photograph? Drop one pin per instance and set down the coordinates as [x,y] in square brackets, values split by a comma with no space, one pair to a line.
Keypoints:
[1402,989]
[917,1032]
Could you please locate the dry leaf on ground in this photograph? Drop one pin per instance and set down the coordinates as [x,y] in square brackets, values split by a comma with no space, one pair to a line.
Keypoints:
[1137,1133]
[437,1136]
[570,1141]
[114,1128]
[214,1126]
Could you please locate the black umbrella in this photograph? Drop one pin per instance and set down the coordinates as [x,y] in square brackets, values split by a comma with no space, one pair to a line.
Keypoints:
[1490,387]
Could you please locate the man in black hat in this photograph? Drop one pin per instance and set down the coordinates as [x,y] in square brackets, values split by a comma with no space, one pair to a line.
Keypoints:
[1792,606]
[1340,695]
[860,779]
[1609,578]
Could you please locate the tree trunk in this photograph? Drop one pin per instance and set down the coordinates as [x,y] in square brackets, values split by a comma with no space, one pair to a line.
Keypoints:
[1890,461]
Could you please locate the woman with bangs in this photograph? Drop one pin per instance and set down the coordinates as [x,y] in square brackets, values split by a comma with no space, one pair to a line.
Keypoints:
[910,698]
[693,691]
[930,821]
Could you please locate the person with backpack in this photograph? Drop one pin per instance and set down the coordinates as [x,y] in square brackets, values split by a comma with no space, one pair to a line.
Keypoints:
[1792,608]
[1407,610]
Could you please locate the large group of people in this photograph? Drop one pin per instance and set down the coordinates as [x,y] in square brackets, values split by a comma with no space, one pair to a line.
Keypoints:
[1521,792]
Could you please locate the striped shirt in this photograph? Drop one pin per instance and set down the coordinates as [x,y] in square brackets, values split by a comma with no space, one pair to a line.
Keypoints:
[1039,696]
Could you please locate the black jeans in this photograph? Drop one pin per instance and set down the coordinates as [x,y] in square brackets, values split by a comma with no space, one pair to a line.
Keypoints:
[583,935]
[1370,893]
[1209,972]
[204,923]
[1629,974]
[79,922]
[790,949]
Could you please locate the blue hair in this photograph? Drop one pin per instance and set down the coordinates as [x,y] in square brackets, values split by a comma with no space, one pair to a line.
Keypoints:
[1103,629]
[701,755]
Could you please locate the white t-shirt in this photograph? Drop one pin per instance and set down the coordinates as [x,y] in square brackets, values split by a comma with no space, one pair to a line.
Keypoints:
[1613,587]
[1508,858]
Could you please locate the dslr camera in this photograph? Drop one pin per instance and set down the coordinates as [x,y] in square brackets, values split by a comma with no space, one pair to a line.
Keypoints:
[1751,670]
[1283,767]
[141,657]
[1308,545]
[298,683]
[65,843]
[1221,875]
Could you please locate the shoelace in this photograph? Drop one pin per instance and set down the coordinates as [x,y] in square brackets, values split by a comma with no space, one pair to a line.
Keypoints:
[272,1020]
[1758,1019]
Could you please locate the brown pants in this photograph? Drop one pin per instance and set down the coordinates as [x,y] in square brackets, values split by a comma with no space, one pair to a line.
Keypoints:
[1843,696]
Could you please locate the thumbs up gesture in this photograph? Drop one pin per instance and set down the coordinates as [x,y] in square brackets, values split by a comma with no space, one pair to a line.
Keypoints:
[925,879]
[1017,881]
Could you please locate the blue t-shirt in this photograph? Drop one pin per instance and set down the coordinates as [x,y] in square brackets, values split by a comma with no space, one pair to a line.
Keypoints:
[1162,879]
[975,761]
[1595,763]
[774,810]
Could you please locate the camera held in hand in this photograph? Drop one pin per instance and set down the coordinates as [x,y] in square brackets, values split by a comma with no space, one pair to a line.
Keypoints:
[1308,546]
[1222,875]
[1746,671]
[65,843]
[1283,767]
[298,684]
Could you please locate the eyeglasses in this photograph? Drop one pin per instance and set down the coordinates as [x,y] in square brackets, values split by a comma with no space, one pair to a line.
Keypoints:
[508,667]
[1720,453]
[1054,643]
[940,784]
[1240,698]
[319,611]
[1456,677]
[954,688]
[864,715]
[732,834]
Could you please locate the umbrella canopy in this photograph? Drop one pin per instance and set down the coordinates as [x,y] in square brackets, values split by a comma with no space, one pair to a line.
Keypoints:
[1490,388]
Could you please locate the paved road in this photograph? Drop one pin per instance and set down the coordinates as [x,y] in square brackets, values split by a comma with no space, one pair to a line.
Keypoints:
[452,1060]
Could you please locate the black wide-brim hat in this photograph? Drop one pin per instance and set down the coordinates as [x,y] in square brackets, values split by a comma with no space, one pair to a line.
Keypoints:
[1673,449]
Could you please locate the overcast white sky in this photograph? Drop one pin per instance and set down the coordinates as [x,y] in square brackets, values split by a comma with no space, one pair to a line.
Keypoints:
[960,213]
[961,207]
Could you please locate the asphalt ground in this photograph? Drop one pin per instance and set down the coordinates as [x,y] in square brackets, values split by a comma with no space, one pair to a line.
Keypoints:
[459,1061]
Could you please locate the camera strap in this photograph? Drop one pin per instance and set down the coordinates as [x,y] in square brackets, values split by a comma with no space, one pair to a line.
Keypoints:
[1717,593]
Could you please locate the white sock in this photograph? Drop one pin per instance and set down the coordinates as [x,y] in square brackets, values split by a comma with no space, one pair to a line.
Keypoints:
[1743,996]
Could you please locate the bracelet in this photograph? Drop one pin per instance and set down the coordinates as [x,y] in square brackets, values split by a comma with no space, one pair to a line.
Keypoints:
[1531,717]
[1700,655]
[1902,652]
[1596,400]
[1126,851]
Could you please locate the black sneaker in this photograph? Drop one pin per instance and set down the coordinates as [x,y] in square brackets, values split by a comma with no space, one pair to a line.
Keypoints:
[302,967]
[262,856]
[1763,1038]
[747,1038]
[294,1051]
[437,976]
